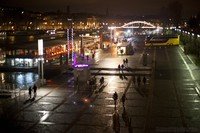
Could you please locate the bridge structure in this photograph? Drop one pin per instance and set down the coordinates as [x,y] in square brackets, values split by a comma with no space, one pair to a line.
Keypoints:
[134,25]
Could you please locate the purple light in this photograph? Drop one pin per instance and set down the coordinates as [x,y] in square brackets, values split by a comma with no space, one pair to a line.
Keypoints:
[81,65]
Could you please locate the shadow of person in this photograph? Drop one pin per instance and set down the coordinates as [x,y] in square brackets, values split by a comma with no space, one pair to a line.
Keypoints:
[130,129]
[138,89]
[125,117]
[33,99]
[116,123]
[121,77]
[125,77]
[28,100]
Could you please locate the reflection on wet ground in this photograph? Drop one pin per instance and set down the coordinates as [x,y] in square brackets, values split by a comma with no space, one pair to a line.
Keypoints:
[18,79]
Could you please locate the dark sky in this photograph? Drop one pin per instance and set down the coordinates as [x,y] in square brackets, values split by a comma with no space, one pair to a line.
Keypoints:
[123,7]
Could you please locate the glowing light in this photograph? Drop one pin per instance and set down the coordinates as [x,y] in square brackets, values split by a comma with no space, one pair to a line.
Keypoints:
[85,100]
[128,31]
[40,46]
[81,65]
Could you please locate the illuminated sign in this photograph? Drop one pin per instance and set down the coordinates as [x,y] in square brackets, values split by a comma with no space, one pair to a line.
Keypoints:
[81,65]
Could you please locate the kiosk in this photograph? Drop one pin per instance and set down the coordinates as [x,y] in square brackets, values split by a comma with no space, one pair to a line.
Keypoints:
[81,75]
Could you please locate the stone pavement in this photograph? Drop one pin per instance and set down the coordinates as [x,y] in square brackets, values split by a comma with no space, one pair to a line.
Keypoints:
[59,109]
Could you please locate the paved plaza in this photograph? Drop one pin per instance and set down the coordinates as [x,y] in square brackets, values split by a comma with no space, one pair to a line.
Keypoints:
[168,102]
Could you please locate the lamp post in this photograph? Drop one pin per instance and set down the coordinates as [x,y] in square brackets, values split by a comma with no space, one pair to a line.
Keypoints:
[40,61]
[70,41]
[68,47]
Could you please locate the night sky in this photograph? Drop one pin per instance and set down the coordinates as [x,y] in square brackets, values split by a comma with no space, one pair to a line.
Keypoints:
[122,7]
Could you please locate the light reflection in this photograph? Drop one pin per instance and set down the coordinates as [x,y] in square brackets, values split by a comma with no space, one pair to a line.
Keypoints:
[44,117]
[31,38]
[18,78]
[111,90]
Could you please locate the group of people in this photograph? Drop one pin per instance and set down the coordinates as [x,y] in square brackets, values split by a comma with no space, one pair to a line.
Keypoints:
[115,98]
[139,80]
[34,88]
[125,62]
[122,66]
[125,117]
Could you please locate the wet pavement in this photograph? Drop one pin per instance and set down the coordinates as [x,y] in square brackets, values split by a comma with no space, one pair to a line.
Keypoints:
[168,102]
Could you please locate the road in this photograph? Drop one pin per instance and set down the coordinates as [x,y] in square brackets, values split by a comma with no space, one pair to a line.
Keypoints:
[174,102]
[168,102]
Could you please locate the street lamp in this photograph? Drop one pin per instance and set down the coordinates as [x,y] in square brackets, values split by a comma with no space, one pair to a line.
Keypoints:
[40,61]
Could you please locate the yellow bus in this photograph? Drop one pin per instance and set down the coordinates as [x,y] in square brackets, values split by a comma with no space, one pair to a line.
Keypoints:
[162,40]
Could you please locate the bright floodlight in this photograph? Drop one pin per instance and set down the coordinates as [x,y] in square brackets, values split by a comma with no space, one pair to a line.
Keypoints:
[40,46]
[128,31]
[117,33]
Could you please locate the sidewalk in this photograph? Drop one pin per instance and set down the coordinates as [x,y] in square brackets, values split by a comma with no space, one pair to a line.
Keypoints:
[22,100]
[195,60]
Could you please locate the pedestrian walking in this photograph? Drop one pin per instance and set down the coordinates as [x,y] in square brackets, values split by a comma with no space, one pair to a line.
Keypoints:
[144,80]
[35,90]
[87,57]
[116,123]
[138,80]
[123,99]
[126,62]
[30,91]
[115,97]
[101,80]
[122,67]
[130,130]
[119,67]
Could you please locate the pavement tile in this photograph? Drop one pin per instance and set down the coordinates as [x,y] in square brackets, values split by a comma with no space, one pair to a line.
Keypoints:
[49,128]
[71,108]
[97,119]
[165,122]
[91,129]
[52,99]
[96,109]
[165,112]
[40,107]
[29,116]
[61,118]
[133,103]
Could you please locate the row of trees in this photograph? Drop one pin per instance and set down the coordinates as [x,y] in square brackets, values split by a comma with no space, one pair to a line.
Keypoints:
[172,15]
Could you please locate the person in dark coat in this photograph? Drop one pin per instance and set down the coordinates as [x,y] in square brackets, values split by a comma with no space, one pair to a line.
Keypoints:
[123,99]
[115,97]
[35,90]
[30,91]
